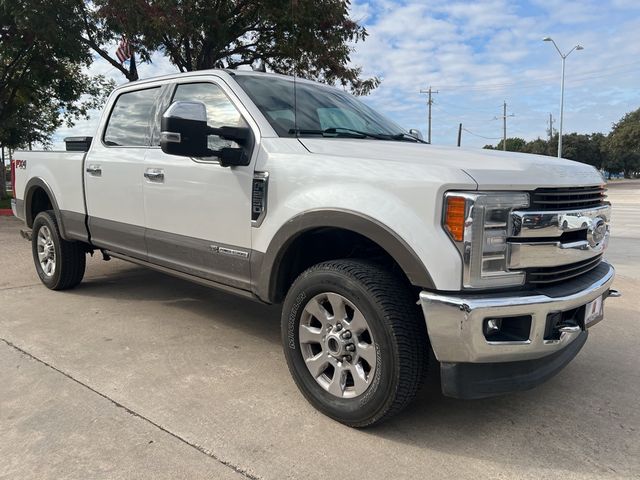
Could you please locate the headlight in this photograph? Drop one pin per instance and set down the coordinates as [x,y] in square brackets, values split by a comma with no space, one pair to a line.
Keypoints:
[479,225]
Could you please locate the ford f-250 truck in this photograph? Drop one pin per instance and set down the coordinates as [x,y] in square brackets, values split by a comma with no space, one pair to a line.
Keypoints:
[380,247]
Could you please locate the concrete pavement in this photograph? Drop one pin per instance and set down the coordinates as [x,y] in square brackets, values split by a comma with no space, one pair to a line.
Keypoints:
[138,375]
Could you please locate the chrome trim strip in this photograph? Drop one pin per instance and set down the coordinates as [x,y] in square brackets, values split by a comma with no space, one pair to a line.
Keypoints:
[528,224]
[14,208]
[454,322]
[553,254]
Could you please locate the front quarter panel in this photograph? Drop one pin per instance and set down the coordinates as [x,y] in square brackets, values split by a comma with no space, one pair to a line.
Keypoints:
[405,198]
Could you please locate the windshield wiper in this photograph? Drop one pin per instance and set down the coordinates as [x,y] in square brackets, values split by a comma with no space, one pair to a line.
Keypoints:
[406,137]
[339,131]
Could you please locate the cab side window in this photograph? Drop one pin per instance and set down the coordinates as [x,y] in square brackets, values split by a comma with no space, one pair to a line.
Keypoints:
[129,124]
[221,112]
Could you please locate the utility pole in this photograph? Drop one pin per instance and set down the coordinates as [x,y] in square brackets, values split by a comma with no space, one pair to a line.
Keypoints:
[429,103]
[459,133]
[504,125]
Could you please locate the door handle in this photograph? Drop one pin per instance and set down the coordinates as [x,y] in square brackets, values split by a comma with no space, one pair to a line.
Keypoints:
[154,175]
[94,170]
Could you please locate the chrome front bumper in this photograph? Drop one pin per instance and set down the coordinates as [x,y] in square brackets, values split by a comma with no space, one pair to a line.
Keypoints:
[14,208]
[455,322]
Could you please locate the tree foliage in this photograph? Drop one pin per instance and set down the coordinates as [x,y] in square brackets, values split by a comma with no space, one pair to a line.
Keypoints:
[623,144]
[617,152]
[43,83]
[311,38]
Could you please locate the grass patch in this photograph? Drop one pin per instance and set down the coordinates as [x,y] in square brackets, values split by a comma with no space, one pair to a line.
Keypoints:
[5,202]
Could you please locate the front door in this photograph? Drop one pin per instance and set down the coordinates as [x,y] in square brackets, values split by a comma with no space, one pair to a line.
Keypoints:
[198,213]
[114,172]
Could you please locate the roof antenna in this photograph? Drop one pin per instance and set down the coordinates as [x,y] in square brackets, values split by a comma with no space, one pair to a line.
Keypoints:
[294,60]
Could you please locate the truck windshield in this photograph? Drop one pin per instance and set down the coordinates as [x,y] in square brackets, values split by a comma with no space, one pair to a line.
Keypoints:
[320,109]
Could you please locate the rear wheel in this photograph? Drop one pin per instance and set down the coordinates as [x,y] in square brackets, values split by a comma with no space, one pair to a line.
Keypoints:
[354,340]
[60,264]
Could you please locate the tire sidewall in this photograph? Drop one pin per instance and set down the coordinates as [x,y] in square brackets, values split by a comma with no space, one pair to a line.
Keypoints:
[44,219]
[373,402]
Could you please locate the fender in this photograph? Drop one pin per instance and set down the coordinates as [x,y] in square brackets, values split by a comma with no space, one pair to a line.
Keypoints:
[30,189]
[268,264]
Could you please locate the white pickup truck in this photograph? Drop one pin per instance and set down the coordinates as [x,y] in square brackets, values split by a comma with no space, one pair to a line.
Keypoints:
[387,253]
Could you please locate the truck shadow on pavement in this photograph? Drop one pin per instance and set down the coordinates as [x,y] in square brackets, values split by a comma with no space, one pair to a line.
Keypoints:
[556,426]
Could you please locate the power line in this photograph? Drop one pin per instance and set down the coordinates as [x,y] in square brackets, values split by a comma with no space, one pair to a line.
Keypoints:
[481,136]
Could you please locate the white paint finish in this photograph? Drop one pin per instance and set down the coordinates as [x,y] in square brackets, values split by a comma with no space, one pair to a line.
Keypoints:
[405,196]
[491,169]
[199,200]
[61,171]
[117,193]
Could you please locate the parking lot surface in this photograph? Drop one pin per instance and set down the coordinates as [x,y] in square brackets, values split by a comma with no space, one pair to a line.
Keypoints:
[135,374]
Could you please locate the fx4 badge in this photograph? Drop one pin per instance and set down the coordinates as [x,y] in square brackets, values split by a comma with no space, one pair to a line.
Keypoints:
[21,164]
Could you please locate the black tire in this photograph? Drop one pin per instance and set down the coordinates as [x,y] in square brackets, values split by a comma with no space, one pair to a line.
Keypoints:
[70,257]
[395,321]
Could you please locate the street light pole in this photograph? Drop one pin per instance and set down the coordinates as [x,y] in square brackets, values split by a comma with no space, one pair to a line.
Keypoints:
[564,58]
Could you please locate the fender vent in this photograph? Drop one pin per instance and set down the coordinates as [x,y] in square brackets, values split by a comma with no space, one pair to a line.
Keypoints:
[259,198]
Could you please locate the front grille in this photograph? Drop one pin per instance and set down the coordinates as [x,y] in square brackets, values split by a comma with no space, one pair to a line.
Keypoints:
[548,275]
[568,198]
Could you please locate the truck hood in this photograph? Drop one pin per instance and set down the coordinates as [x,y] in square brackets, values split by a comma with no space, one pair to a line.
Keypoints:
[491,169]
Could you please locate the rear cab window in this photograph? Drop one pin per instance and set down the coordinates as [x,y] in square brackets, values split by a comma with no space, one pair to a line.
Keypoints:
[131,119]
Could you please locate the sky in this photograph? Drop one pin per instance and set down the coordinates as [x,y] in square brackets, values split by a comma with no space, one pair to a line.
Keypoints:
[478,55]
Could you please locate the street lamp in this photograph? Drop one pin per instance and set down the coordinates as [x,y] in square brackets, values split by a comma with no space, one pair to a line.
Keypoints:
[564,57]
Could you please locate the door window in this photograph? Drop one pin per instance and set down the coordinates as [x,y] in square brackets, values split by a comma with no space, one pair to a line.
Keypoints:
[221,112]
[130,121]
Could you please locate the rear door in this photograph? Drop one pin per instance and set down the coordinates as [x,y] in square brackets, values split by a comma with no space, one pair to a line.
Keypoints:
[198,213]
[114,174]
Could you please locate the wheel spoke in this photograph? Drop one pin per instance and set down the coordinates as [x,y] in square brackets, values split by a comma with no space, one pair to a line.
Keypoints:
[368,353]
[42,255]
[310,334]
[318,364]
[359,381]
[316,310]
[49,267]
[338,306]
[358,323]
[337,384]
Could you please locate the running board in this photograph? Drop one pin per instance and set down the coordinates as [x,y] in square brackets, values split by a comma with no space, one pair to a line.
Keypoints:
[185,276]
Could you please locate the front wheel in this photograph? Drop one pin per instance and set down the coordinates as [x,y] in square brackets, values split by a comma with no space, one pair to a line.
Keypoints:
[354,341]
[60,264]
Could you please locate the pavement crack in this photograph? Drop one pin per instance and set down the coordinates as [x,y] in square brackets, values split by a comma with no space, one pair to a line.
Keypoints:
[119,405]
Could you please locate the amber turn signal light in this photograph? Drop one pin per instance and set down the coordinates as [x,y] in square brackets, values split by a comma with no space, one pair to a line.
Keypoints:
[454,217]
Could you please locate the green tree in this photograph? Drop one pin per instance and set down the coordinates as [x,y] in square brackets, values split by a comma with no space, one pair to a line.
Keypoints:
[514,144]
[43,83]
[312,38]
[623,145]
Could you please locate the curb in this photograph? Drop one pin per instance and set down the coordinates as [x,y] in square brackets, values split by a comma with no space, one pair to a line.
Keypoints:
[6,212]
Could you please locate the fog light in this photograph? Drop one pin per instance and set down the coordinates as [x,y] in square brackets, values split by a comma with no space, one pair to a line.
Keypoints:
[492,326]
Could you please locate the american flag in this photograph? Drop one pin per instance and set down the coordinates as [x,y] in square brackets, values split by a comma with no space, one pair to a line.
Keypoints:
[124,50]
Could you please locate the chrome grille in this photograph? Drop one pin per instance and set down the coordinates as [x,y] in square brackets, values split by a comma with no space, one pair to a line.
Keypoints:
[569,197]
[547,275]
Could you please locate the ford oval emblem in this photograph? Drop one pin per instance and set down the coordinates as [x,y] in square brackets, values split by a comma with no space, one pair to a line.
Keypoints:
[597,232]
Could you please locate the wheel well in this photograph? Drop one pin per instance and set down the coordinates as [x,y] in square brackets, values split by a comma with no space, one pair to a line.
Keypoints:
[40,202]
[322,244]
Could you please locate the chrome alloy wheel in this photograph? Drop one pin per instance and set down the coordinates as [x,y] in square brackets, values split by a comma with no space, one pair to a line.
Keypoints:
[337,345]
[46,251]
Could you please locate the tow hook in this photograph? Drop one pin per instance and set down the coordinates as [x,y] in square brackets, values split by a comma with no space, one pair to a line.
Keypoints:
[613,293]
[26,234]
